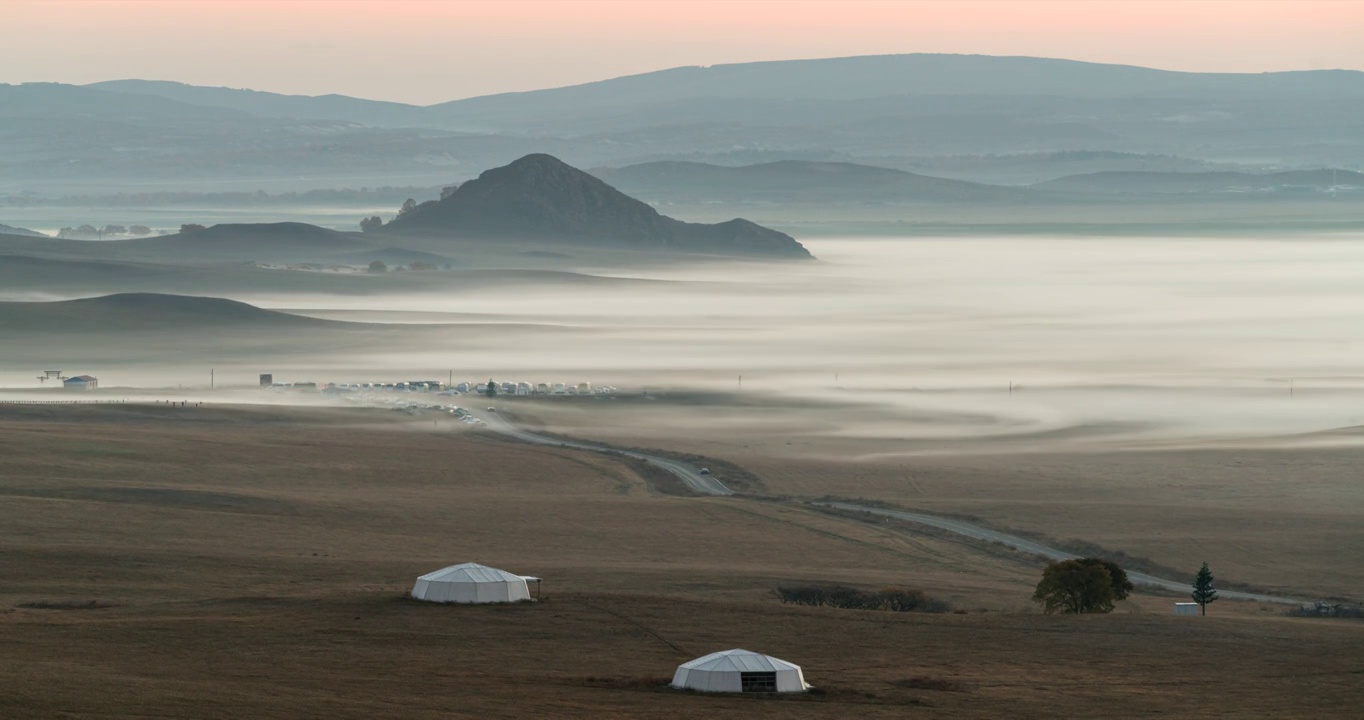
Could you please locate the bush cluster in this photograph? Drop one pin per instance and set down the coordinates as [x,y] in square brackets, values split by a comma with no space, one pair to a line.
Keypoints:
[848,598]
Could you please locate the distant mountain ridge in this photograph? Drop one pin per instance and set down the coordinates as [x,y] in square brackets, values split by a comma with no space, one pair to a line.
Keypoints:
[1202,182]
[796,181]
[888,110]
[376,113]
[540,197]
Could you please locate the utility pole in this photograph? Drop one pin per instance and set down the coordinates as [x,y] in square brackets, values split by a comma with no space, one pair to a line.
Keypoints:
[741,382]
[212,378]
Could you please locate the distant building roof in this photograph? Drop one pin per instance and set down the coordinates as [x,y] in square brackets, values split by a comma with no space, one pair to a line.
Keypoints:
[82,379]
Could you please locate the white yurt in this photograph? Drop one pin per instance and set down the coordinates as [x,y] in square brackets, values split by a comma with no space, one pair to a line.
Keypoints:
[739,671]
[470,583]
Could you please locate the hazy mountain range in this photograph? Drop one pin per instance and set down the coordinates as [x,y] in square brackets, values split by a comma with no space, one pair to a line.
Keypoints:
[944,115]
[536,203]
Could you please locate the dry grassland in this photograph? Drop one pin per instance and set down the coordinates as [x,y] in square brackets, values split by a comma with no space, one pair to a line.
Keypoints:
[1283,520]
[251,563]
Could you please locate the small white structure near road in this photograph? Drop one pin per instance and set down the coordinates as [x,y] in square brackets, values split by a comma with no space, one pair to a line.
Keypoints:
[471,583]
[1186,608]
[733,671]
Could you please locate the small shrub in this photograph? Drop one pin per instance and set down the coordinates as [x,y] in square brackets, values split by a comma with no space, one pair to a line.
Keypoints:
[1326,611]
[848,598]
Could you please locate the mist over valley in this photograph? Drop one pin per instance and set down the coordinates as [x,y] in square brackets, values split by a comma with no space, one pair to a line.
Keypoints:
[966,385]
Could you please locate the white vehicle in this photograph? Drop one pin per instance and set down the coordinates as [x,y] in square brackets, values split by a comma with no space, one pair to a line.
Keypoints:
[705,471]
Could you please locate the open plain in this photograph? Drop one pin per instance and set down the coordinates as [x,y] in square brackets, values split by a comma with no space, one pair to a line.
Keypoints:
[251,561]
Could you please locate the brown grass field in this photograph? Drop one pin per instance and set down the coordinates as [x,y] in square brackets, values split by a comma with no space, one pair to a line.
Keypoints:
[1264,514]
[251,563]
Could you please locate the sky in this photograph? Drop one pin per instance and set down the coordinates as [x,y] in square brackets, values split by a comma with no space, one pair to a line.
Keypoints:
[428,51]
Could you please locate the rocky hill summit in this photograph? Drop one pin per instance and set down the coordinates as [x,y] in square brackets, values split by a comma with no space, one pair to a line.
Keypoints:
[539,197]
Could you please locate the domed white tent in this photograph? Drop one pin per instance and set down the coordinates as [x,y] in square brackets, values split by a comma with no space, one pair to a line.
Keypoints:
[739,671]
[470,583]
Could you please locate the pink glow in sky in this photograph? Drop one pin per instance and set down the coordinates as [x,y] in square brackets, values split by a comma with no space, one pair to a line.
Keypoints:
[431,51]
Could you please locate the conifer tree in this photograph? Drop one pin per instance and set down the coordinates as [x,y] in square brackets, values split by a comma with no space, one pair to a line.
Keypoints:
[1203,590]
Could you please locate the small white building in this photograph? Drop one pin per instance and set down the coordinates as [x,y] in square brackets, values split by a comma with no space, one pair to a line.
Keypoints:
[81,382]
[471,583]
[1186,608]
[734,671]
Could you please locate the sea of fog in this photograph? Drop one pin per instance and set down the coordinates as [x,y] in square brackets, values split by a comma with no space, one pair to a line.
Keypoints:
[1120,337]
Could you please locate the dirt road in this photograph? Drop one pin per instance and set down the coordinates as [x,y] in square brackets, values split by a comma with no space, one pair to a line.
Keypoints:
[709,485]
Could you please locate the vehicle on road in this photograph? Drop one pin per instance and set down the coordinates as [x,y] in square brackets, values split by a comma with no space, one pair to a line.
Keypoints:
[705,471]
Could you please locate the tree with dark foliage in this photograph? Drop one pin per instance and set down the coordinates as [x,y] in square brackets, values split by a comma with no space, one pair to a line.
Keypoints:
[189,228]
[370,224]
[492,388]
[408,206]
[1079,586]
[1122,587]
[378,266]
[1203,590]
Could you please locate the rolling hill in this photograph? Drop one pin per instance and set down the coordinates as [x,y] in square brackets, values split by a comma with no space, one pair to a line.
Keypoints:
[10,230]
[279,242]
[247,242]
[795,181]
[1158,183]
[541,198]
[130,312]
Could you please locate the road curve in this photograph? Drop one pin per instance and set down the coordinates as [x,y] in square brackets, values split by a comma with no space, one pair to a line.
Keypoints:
[705,484]
[709,485]
[1033,548]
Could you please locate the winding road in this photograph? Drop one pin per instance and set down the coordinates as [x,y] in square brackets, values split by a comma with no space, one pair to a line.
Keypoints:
[1033,548]
[709,485]
[703,483]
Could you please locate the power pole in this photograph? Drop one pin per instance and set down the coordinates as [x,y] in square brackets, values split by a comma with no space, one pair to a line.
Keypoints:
[212,378]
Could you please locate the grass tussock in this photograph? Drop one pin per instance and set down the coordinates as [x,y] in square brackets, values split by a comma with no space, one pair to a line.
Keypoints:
[66,605]
[923,682]
[628,683]
[848,598]
[1326,611]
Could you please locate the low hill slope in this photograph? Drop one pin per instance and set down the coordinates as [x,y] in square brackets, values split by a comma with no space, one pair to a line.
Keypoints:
[796,181]
[34,274]
[392,256]
[258,241]
[262,242]
[1203,182]
[541,198]
[143,311]
[25,232]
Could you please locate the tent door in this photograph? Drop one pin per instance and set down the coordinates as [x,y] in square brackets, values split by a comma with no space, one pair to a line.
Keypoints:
[758,682]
